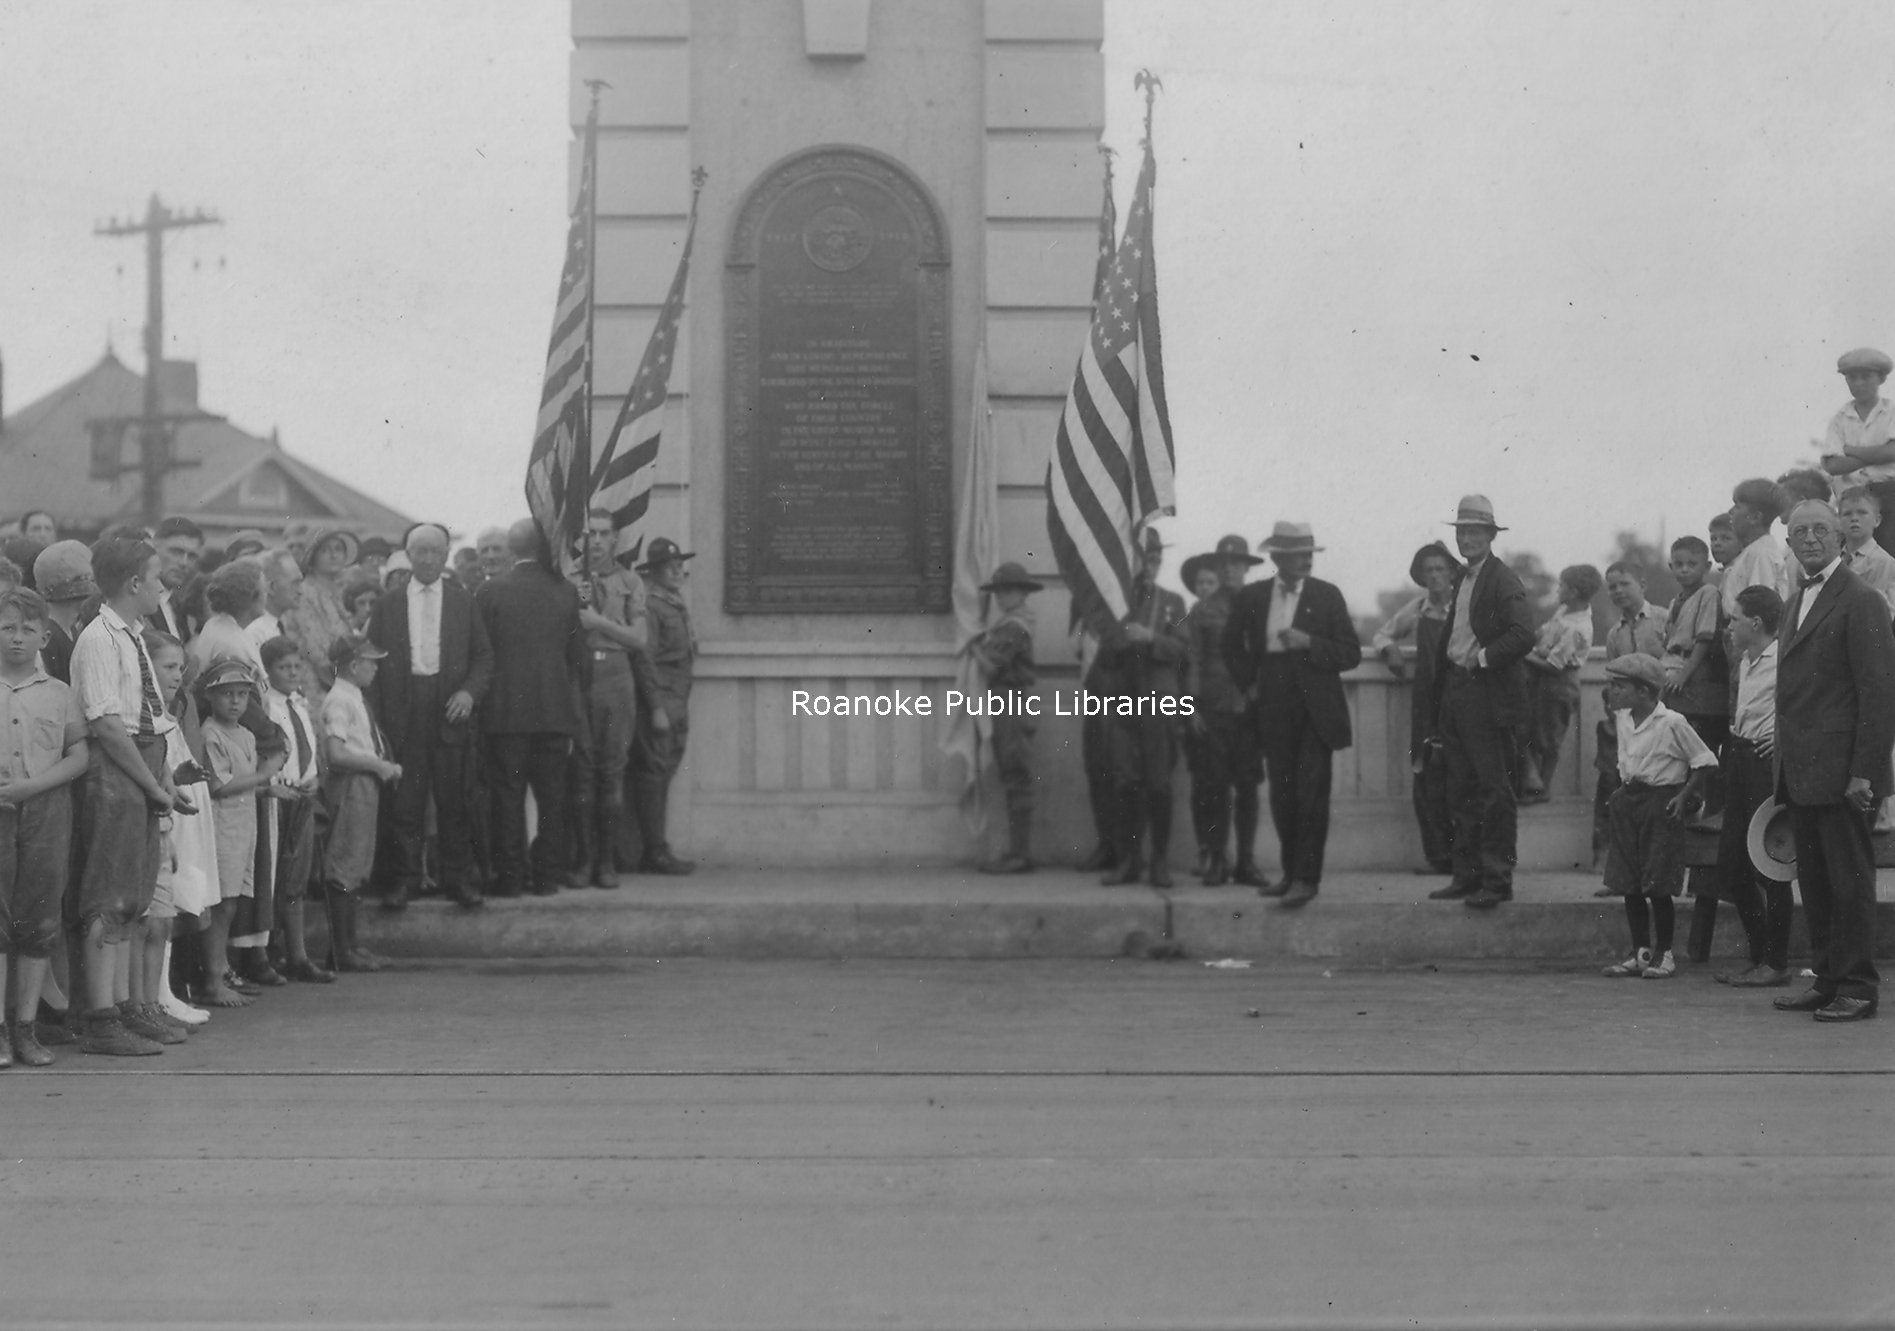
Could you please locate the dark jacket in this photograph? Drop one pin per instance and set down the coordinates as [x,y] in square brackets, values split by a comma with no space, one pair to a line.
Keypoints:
[532,620]
[1289,682]
[1136,668]
[1503,625]
[466,660]
[1835,692]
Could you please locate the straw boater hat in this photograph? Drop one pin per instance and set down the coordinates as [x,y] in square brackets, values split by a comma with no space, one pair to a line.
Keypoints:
[1010,575]
[1864,358]
[1236,547]
[1476,511]
[1427,551]
[1195,565]
[1292,538]
[1772,842]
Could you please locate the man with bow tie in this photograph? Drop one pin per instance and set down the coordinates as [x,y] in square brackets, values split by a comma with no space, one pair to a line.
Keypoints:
[1287,643]
[1835,723]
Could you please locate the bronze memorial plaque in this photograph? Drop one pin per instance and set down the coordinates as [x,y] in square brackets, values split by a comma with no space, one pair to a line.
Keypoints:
[838,493]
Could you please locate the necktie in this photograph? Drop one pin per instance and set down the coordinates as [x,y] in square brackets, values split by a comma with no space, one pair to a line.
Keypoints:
[302,740]
[150,705]
[1807,583]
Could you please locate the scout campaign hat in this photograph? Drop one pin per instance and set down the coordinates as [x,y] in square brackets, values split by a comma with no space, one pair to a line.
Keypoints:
[344,650]
[63,572]
[1636,665]
[1476,511]
[662,551]
[1008,575]
[1430,549]
[1864,358]
[1292,538]
[1236,547]
[1772,842]
[1195,565]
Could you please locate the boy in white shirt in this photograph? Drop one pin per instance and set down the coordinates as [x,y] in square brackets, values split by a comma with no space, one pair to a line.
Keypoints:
[295,787]
[1663,766]
[1749,781]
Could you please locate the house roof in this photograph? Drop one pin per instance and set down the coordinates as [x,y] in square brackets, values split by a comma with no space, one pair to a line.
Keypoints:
[46,462]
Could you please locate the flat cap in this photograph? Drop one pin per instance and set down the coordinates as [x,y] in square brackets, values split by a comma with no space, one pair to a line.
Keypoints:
[1864,358]
[1637,666]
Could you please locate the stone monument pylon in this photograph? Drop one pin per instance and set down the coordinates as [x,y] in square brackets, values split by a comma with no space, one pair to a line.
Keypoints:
[892,183]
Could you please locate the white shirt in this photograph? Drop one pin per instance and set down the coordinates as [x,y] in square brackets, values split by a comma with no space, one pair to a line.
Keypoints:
[106,664]
[1806,597]
[1661,750]
[1762,563]
[1464,648]
[279,706]
[424,627]
[1755,716]
[1848,432]
[1283,603]
[173,625]
[1875,566]
[345,717]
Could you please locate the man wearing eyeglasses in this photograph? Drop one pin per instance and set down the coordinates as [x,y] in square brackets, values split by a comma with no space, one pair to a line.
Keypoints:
[1835,723]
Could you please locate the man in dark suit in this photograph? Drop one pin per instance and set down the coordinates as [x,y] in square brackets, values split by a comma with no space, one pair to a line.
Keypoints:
[1480,690]
[438,667]
[531,714]
[1140,661]
[1287,643]
[1835,723]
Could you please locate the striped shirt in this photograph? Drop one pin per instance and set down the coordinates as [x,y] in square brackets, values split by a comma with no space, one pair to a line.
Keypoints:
[110,671]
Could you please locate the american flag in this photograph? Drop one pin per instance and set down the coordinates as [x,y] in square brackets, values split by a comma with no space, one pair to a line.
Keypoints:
[558,471]
[1112,463]
[621,483]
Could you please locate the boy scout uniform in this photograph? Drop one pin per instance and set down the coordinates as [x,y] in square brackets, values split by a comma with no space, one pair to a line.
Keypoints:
[1006,655]
[672,648]
[611,716]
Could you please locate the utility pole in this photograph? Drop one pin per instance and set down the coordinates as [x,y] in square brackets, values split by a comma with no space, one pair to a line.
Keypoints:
[153,433]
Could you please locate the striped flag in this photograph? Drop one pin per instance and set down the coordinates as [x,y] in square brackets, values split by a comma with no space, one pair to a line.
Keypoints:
[621,483]
[1108,231]
[1111,470]
[558,471]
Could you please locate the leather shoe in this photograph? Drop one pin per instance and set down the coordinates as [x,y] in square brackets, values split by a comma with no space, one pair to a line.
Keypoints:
[1269,889]
[1486,899]
[1248,874]
[1847,1009]
[1454,891]
[1160,874]
[1216,873]
[1128,873]
[1761,977]
[1810,1000]
[666,864]
[1098,862]
[1297,894]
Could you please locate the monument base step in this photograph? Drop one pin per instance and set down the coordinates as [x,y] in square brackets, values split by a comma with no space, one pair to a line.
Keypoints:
[1359,919]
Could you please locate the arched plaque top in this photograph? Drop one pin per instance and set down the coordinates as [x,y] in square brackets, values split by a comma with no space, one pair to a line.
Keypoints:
[838,239]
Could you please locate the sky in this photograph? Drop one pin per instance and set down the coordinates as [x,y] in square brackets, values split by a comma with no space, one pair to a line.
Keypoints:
[1594,261]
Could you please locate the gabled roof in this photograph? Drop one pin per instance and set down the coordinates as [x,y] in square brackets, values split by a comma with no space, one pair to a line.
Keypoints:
[46,462]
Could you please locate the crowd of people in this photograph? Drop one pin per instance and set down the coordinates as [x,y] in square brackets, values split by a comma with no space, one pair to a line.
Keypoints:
[200,740]
[1703,727]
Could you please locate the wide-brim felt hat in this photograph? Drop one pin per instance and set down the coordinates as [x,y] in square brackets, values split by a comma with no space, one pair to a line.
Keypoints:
[1011,574]
[1236,547]
[663,551]
[1427,551]
[1475,511]
[1195,565]
[1292,538]
[1772,842]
